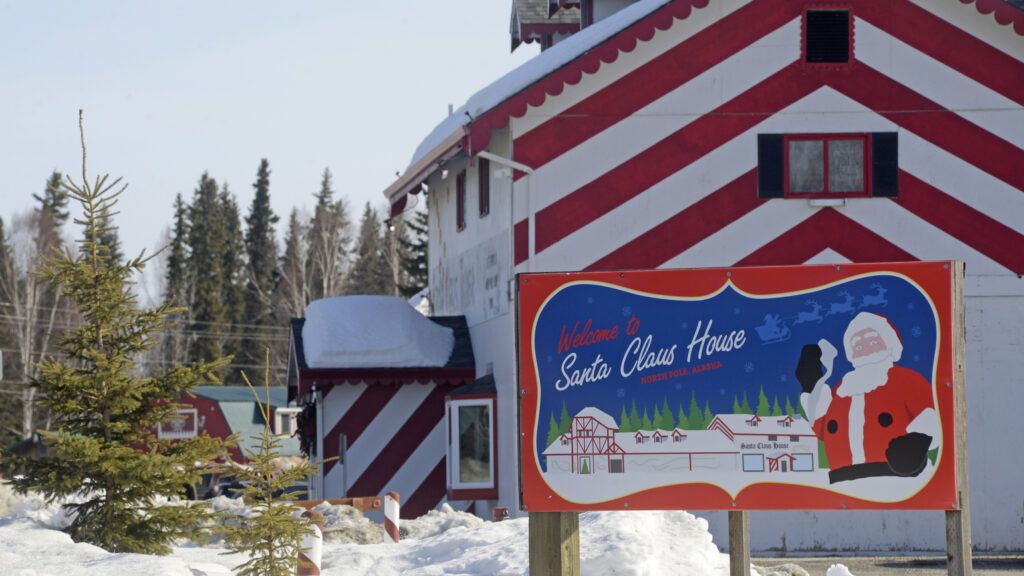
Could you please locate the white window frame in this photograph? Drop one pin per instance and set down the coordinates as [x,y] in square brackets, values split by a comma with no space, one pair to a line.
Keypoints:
[161,434]
[759,457]
[453,447]
[292,414]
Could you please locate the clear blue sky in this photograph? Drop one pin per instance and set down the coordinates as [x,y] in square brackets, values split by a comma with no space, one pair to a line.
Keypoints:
[172,89]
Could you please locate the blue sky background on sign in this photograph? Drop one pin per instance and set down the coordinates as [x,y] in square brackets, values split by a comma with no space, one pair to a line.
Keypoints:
[775,329]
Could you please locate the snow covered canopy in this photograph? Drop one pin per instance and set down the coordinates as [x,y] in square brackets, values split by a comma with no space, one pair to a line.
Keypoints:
[372,332]
[376,340]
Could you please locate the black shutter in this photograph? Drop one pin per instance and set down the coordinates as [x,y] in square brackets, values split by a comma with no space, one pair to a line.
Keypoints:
[828,36]
[770,167]
[885,169]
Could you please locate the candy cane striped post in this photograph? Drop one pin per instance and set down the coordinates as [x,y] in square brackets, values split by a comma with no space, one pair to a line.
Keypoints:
[391,508]
[312,546]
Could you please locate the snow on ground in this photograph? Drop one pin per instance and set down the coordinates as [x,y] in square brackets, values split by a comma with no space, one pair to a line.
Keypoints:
[443,542]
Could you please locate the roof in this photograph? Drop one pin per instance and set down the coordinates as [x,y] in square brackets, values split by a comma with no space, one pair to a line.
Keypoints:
[461,356]
[766,425]
[481,386]
[243,416]
[602,417]
[509,94]
[278,394]
[695,442]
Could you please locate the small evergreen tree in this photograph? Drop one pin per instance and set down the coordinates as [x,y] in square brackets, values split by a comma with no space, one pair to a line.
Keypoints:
[684,422]
[634,418]
[656,422]
[763,408]
[646,423]
[565,423]
[789,408]
[623,421]
[272,534]
[696,420]
[553,432]
[776,409]
[745,406]
[736,408]
[104,411]
[668,421]
[414,262]
[707,415]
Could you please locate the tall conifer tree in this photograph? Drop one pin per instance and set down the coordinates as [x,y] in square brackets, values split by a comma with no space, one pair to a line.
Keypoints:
[205,240]
[293,290]
[54,199]
[232,282]
[104,410]
[370,273]
[262,272]
[415,262]
[328,236]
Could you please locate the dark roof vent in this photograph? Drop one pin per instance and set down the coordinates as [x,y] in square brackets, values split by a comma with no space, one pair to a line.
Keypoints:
[828,36]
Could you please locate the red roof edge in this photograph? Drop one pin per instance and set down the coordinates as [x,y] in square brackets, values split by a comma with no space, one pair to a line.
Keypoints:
[1005,13]
[479,132]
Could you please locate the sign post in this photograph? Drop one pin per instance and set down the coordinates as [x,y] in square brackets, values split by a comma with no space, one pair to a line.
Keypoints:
[764,388]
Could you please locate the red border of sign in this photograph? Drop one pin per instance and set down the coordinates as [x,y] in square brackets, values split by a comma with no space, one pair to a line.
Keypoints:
[935,278]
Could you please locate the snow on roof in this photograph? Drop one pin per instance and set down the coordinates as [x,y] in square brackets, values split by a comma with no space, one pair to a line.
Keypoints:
[741,424]
[602,417]
[695,442]
[533,70]
[372,332]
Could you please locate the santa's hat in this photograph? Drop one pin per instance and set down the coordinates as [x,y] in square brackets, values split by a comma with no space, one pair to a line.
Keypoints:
[879,324]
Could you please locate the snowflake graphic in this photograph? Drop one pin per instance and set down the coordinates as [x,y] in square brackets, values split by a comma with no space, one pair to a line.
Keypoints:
[748,367]
[910,306]
[590,299]
[917,358]
[916,331]
[735,310]
[685,324]
[626,311]
[621,392]
[721,391]
[679,385]
[550,357]
[783,378]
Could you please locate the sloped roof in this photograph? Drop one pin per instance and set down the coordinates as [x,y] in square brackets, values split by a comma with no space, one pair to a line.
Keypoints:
[738,424]
[278,394]
[602,417]
[243,416]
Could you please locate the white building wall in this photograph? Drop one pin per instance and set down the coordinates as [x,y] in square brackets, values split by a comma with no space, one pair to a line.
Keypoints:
[605,8]
[995,297]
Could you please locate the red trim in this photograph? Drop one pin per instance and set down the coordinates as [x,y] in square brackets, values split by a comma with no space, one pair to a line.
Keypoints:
[663,242]
[427,496]
[930,121]
[473,494]
[675,67]
[326,378]
[521,234]
[828,7]
[948,44]
[673,153]
[358,417]
[826,138]
[412,432]
[1005,13]
[477,493]
[979,231]
[826,229]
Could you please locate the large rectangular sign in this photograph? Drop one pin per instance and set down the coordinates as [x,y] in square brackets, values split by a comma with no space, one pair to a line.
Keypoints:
[800,387]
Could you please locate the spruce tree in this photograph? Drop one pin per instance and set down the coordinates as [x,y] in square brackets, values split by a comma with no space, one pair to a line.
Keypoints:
[271,534]
[262,272]
[293,289]
[745,406]
[645,423]
[328,238]
[634,418]
[10,415]
[763,407]
[684,422]
[370,272]
[415,262]
[736,408]
[565,424]
[205,241]
[668,421]
[232,282]
[54,199]
[707,415]
[776,409]
[656,421]
[624,421]
[789,408]
[695,419]
[104,411]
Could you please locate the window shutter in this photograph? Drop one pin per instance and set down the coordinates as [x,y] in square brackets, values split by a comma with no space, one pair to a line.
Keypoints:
[884,164]
[770,167]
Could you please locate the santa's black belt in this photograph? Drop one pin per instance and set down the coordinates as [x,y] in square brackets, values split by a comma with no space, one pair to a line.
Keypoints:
[855,471]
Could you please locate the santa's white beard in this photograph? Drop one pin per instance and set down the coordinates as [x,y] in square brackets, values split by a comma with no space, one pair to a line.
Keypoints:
[869,372]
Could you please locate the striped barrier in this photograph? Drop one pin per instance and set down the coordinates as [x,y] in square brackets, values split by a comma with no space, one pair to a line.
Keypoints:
[391,509]
[312,546]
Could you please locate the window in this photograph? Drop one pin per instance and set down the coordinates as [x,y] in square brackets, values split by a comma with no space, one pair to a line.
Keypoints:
[471,458]
[184,424]
[460,201]
[773,438]
[803,463]
[827,37]
[615,466]
[753,462]
[286,421]
[483,173]
[794,438]
[827,165]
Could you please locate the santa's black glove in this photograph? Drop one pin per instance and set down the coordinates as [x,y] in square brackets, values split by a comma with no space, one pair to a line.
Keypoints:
[809,369]
[908,454]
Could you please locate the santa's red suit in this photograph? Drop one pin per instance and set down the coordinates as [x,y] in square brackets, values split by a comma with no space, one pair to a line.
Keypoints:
[874,404]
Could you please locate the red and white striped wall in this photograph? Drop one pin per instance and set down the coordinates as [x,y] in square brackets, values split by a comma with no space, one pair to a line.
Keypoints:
[396,442]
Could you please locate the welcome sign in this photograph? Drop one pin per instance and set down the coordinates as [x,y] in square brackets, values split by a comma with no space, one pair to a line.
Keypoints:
[804,387]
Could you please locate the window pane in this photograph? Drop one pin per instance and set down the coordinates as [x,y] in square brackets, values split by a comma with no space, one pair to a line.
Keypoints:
[846,165]
[474,444]
[806,166]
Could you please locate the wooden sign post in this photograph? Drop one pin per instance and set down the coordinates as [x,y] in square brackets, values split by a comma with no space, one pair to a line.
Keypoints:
[597,349]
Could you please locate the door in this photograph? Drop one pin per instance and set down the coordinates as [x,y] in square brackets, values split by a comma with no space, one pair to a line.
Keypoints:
[785,463]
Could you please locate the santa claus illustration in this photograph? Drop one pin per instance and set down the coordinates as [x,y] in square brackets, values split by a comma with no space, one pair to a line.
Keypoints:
[880,420]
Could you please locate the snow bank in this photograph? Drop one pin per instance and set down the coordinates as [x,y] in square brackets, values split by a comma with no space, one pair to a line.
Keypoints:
[372,332]
[436,522]
[838,570]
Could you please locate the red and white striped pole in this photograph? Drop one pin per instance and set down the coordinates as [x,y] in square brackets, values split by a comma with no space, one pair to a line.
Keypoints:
[391,509]
[312,546]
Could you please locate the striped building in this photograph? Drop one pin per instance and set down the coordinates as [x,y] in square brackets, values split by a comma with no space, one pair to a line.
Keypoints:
[696,133]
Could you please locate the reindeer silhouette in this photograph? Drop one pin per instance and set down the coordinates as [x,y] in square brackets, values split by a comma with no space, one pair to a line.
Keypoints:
[841,308]
[813,316]
[877,299]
